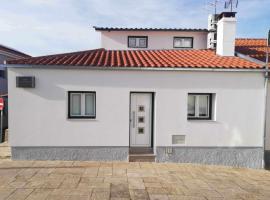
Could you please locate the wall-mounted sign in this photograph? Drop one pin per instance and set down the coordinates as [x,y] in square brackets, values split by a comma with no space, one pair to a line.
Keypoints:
[25,81]
[1,104]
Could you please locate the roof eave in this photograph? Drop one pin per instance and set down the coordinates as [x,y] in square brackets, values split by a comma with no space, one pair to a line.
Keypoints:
[150,29]
[217,69]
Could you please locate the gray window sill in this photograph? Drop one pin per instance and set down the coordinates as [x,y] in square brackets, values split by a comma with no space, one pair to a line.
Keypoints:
[202,120]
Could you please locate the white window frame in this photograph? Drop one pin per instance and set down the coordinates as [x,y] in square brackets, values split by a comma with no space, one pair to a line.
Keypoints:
[137,43]
[83,109]
[197,106]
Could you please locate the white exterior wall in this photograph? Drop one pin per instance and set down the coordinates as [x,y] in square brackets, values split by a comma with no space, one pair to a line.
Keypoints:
[38,117]
[117,40]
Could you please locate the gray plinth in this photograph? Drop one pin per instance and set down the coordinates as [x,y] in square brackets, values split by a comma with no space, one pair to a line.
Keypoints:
[251,157]
[70,153]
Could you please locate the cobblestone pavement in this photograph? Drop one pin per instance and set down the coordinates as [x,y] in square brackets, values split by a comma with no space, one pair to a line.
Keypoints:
[40,180]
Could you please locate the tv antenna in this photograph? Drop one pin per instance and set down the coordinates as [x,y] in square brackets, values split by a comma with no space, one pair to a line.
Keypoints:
[231,4]
[213,4]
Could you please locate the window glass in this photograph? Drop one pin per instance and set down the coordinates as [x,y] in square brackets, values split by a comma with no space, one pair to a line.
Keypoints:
[203,105]
[137,41]
[2,73]
[90,104]
[183,42]
[199,106]
[191,105]
[76,104]
[132,42]
[142,42]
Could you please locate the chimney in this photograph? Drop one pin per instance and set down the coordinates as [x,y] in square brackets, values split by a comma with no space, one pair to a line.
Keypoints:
[226,31]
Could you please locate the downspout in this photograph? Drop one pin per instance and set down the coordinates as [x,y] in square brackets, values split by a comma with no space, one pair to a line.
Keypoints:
[266,94]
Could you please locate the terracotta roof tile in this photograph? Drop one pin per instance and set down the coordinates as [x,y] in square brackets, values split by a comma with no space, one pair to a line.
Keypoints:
[255,48]
[140,58]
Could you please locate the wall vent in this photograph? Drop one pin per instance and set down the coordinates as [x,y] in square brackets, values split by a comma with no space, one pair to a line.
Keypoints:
[178,139]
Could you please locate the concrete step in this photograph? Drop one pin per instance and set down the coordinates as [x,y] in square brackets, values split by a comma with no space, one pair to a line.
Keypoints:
[141,150]
[142,158]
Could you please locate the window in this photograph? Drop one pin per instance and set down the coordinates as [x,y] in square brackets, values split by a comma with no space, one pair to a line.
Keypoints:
[141,109]
[137,41]
[183,42]
[2,74]
[140,130]
[199,106]
[82,104]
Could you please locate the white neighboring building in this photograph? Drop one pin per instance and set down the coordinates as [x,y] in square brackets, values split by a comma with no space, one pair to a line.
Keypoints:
[7,53]
[254,49]
[183,105]
[154,38]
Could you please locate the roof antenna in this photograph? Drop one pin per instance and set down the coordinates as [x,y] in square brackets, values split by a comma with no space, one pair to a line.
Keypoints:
[212,4]
[231,4]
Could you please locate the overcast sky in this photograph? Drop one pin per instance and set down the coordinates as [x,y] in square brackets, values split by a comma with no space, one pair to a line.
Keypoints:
[40,27]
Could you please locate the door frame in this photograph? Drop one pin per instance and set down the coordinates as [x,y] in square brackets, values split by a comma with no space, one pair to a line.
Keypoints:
[152,113]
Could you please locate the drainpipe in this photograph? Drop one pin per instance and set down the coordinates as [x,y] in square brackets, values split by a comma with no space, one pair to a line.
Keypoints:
[266,93]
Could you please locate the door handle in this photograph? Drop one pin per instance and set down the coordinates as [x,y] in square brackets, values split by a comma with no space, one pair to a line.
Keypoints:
[133,117]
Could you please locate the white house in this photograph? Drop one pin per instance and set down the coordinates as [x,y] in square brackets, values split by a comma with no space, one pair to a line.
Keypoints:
[7,53]
[154,91]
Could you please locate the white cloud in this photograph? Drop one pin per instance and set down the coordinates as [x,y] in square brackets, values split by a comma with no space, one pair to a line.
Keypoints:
[52,26]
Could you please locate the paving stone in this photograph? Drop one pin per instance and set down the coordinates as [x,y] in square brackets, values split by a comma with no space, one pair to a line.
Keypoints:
[158,197]
[115,180]
[180,197]
[20,194]
[138,194]
[156,185]
[5,192]
[39,194]
[34,184]
[156,191]
[79,197]
[17,184]
[101,195]
[58,197]
[119,191]
[122,180]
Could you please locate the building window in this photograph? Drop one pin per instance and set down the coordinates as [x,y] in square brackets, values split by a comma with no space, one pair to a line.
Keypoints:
[137,41]
[183,42]
[2,73]
[82,104]
[199,106]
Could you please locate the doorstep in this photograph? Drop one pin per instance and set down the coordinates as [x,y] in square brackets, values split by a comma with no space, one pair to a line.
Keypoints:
[141,154]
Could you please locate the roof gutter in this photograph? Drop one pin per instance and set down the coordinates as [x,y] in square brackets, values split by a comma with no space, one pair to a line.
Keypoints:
[133,68]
